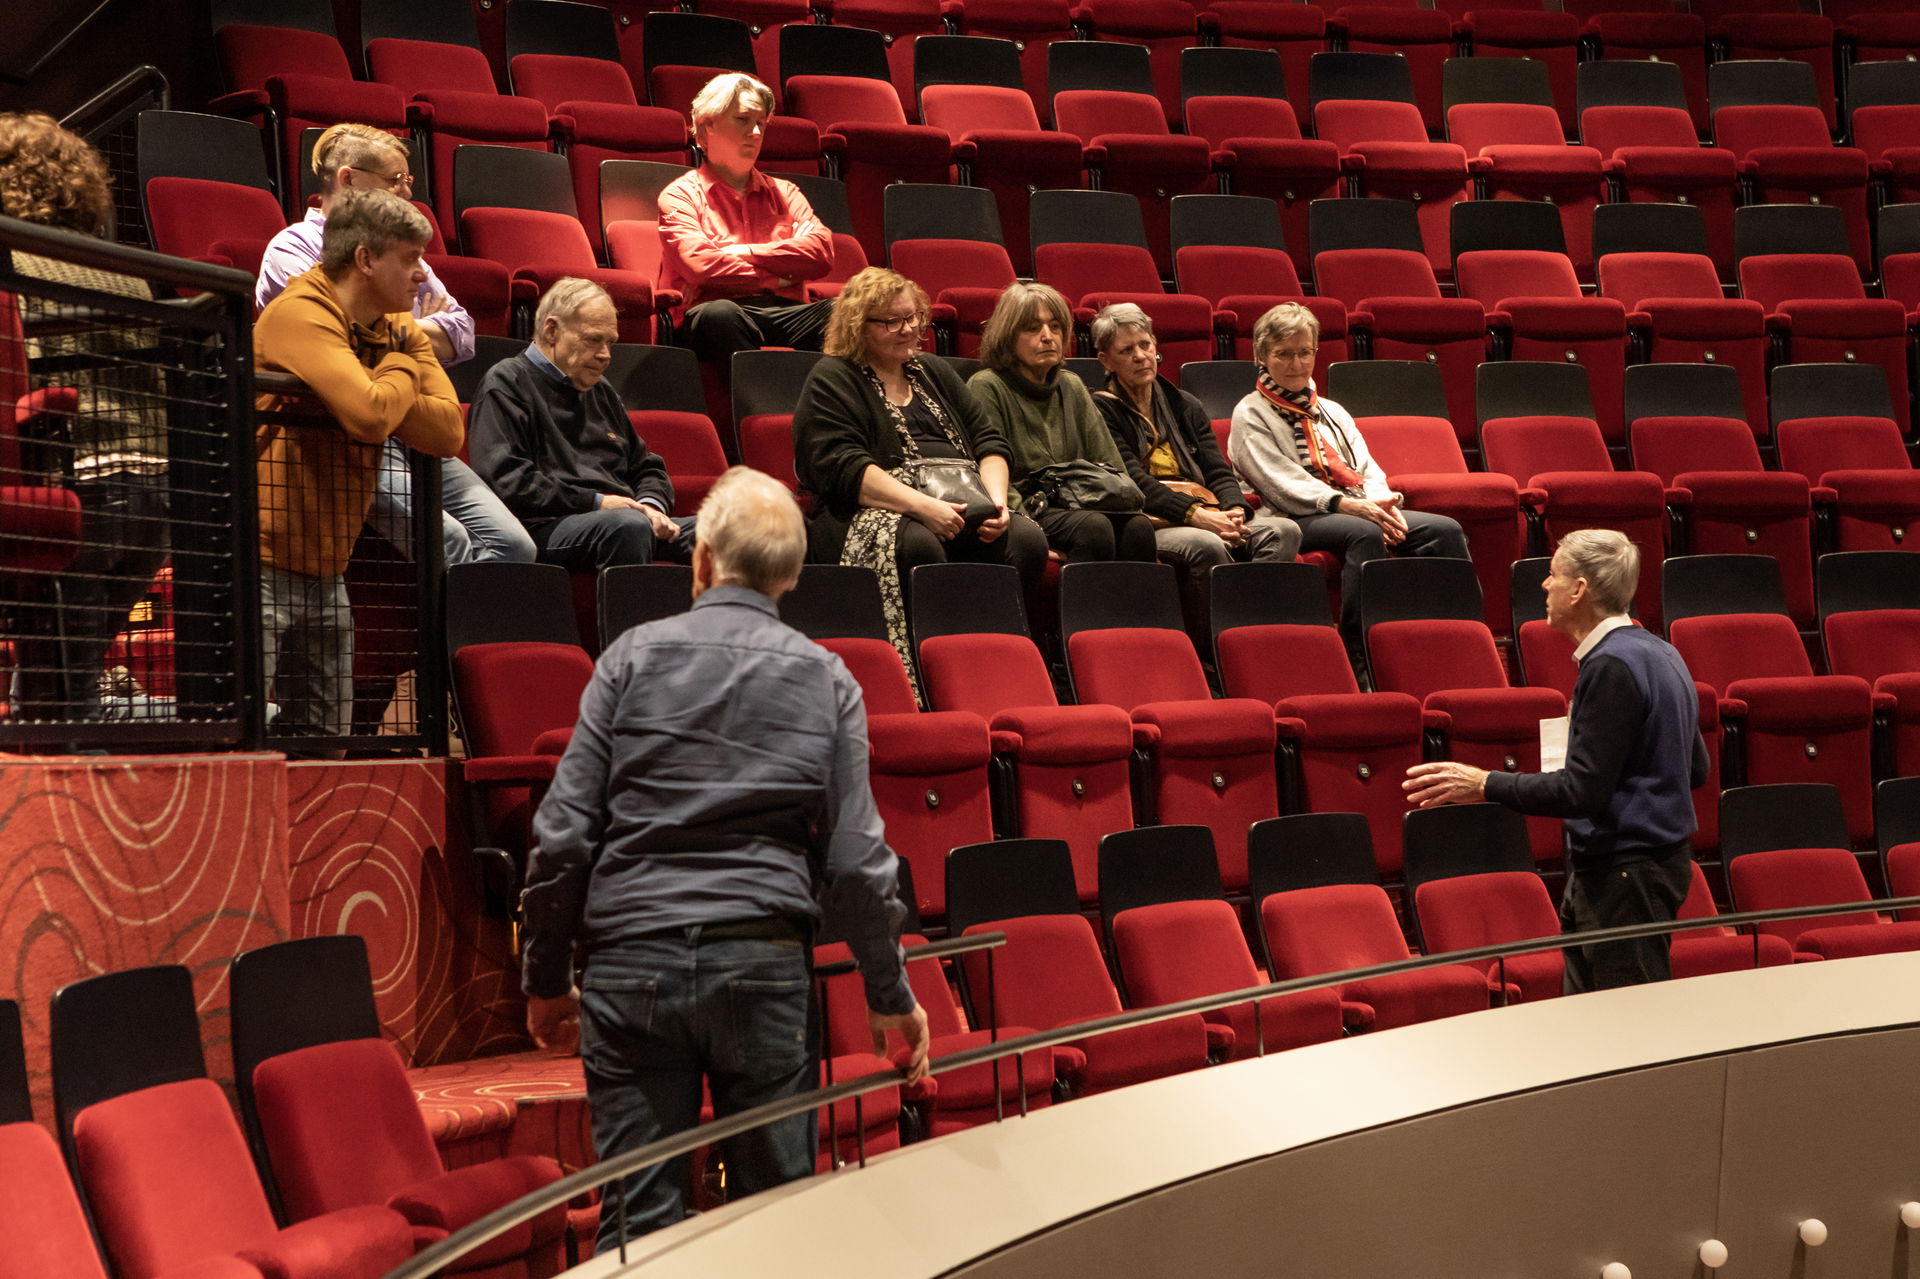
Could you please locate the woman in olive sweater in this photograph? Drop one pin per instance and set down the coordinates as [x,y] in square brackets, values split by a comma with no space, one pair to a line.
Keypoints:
[869,407]
[1048,417]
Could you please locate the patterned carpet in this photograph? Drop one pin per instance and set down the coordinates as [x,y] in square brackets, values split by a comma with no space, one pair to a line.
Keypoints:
[108,864]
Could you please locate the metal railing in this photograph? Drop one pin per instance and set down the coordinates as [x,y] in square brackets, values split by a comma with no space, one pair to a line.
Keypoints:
[130,501]
[390,610]
[431,1261]
[127,454]
[109,120]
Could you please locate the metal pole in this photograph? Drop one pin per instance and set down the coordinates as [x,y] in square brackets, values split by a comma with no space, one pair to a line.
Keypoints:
[993,1037]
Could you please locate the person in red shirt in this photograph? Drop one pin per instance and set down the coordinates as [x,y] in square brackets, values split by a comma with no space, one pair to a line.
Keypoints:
[738,244]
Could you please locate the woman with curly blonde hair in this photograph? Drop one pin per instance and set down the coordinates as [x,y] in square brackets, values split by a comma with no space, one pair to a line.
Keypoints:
[874,412]
[116,440]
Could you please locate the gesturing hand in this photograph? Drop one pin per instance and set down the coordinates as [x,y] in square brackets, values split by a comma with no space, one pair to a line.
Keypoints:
[1445,782]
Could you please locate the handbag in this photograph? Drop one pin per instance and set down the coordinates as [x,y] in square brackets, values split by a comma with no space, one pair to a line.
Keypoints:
[955,480]
[1081,485]
[1186,488]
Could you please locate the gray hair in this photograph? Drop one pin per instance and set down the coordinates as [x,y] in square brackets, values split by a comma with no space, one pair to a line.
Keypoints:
[1017,310]
[719,95]
[1115,316]
[1281,323]
[375,220]
[566,299]
[754,528]
[1609,562]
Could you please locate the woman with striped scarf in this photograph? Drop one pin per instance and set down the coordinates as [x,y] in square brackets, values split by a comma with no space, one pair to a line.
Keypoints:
[1307,460]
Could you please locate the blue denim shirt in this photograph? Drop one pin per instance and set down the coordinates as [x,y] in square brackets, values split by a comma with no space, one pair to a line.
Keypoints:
[718,773]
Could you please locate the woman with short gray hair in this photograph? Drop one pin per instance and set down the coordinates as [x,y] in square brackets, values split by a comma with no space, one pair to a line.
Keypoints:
[1306,458]
[1200,516]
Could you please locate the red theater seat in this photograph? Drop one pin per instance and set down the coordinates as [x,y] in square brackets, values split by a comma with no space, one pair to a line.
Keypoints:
[1173,951]
[1797,726]
[1462,912]
[1784,877]
[1352,747]
[1310,931]
[1717,948]
[1050,973]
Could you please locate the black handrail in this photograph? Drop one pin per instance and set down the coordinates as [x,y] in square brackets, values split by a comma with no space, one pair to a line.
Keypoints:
[145,79]
[124,259]
[431,1260]
[926,950]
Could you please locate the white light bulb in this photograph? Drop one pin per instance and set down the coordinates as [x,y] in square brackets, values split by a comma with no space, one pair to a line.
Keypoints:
[1713,1254]
[1813,1232]
[1615,1270]
[1910,1215]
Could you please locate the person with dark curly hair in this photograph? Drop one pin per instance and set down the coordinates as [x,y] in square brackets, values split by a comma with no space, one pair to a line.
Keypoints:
[117,441]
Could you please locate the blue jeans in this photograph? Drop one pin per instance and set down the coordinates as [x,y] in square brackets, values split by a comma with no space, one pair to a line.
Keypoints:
[306,650]
[659,1015]
[475,526]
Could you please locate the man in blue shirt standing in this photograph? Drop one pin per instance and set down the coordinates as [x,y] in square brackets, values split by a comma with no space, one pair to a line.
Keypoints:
[718,773]
[1634,755]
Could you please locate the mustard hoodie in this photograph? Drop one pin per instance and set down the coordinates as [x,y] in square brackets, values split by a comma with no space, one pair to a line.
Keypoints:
[316,478]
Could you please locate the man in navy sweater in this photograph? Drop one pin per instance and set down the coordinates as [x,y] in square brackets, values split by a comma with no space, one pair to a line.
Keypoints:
[1634,755]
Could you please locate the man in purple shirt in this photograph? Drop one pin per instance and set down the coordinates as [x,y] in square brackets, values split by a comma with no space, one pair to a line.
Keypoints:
[475,524]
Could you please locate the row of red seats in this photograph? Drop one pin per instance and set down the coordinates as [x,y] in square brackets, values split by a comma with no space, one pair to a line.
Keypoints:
[161,1167]
[842,83]
[1804,299]
[1066,771]
[1318,908]
[1115,135]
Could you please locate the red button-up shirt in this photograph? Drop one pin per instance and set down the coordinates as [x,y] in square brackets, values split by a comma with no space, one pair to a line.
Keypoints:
[700,216]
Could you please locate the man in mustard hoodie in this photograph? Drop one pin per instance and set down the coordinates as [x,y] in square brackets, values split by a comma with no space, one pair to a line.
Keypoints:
[345,328]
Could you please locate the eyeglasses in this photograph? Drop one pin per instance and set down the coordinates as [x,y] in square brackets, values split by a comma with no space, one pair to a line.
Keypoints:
[1290,356]
[400,179]
[895,323]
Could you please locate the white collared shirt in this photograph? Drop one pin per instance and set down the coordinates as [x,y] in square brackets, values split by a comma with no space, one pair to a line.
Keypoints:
[1606,627]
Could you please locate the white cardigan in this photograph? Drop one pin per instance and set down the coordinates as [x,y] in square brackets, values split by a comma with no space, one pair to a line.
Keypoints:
[1263,451]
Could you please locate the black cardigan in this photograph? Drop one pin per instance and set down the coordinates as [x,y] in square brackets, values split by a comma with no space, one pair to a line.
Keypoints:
[524,434]
[841,427]
[1193,442]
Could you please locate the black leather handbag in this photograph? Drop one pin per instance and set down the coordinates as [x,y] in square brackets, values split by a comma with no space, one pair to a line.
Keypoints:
[955,480]
[1081,485]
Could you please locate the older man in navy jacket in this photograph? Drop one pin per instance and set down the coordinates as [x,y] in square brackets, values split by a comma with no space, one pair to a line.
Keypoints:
[1634,755]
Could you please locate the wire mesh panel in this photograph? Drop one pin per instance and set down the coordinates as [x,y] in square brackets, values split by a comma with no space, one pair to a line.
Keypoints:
[124,490]
[110,122]
[350,547]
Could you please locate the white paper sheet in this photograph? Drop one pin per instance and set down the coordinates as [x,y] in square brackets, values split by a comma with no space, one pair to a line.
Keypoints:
[1553,744]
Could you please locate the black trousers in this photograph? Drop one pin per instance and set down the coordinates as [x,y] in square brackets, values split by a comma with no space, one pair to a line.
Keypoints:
[1637,888]
[715,330]
[1357,541]
[1023,545]
[1084,536]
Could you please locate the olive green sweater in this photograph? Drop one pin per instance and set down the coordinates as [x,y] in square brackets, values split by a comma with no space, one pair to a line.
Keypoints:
[1045,424]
